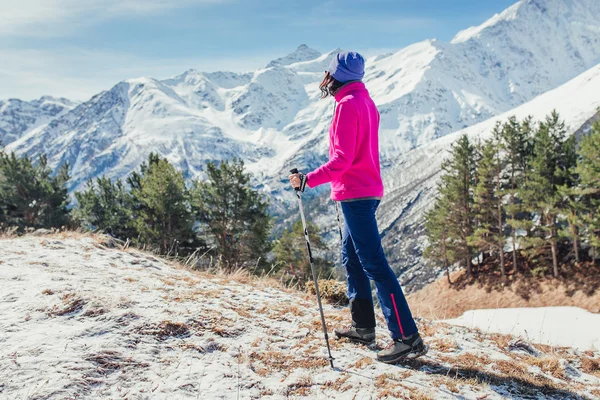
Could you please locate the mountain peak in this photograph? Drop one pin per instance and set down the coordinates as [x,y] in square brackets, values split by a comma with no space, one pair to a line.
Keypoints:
[530,12]
[509,14]
[302,53]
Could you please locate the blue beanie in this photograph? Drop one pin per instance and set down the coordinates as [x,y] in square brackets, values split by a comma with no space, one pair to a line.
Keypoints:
[347,66]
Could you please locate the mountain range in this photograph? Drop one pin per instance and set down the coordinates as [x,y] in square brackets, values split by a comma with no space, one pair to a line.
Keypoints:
[272,118]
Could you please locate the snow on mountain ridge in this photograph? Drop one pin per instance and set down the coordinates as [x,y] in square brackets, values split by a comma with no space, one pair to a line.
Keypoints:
[529,10]
[302,53]
[502,66]
[474,31]
[18,117]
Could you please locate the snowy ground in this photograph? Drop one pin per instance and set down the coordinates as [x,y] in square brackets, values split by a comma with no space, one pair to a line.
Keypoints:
[554,326]
[82,320]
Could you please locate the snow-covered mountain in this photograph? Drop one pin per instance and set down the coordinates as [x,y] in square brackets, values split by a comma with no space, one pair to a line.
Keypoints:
[302,53]
[272,117]
[18,117]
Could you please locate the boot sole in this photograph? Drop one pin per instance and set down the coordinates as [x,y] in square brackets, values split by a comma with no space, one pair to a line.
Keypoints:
[356,340]
[409,356]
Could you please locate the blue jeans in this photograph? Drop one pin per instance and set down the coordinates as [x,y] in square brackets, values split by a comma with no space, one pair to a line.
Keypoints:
[364,260]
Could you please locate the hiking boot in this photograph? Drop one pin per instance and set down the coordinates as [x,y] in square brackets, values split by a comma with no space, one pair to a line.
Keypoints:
[411,347]
[359,335]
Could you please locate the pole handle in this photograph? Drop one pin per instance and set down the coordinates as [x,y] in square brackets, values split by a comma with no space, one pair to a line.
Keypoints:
[295,171]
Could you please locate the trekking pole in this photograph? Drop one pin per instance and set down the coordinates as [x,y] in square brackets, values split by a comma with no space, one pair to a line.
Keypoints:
[314,273]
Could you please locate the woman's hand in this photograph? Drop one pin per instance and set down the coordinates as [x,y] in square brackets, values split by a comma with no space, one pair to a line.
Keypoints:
[298,181]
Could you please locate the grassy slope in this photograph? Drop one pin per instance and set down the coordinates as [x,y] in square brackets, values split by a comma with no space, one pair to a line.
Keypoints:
[82,319]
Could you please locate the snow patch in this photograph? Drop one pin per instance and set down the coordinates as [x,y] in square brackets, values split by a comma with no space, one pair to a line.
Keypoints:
[554,326]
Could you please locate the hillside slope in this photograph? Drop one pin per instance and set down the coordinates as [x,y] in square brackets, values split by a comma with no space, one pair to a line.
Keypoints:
[81,319]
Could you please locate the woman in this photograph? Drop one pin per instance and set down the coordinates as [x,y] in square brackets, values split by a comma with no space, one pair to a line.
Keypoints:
[354,172]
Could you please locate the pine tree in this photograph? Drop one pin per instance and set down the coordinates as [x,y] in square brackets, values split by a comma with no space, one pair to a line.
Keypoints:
[540,192]
[234,214]
[291,260]
[457,189]
[162,207]
[439,248]
[588,170]
[30,195]
[57,213]
[570,197]
[515,142]
[487,203]
[107,206]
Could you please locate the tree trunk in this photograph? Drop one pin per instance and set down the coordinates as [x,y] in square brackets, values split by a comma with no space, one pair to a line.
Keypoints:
[514,250]
[551,223]
[469,267]
[501,241]
[446,258]
[575,235]
[512,228]
[447,271]
[554,257]
[502,267]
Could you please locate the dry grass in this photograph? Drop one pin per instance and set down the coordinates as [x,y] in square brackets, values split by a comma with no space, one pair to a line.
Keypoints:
[429,329]
[519,371]
[338,384]
[476,371]
[192,346]
[590,365]
[444,345]
[548,364]
[440,300]
[472,361]
[108,361]
[165,330]
[391,388]
[295,311]
[71,303]
[510,367]
[9,233]
[502,341]
[244,313]
[279,361]
[417,395]
[334,292]
[48,292]
[94,311]
[363,362]
[452,385]
[302,387]
[227,331]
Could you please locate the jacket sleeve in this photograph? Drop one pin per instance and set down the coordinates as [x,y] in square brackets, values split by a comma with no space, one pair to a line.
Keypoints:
[344,144]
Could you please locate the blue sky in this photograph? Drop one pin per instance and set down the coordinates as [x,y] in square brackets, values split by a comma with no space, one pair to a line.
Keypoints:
[75,48]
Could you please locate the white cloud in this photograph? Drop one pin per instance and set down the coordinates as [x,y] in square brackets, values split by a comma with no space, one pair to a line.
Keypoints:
[78,73]
[60,17]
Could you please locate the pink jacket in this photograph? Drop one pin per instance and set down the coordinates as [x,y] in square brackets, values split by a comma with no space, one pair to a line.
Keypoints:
[353,166]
